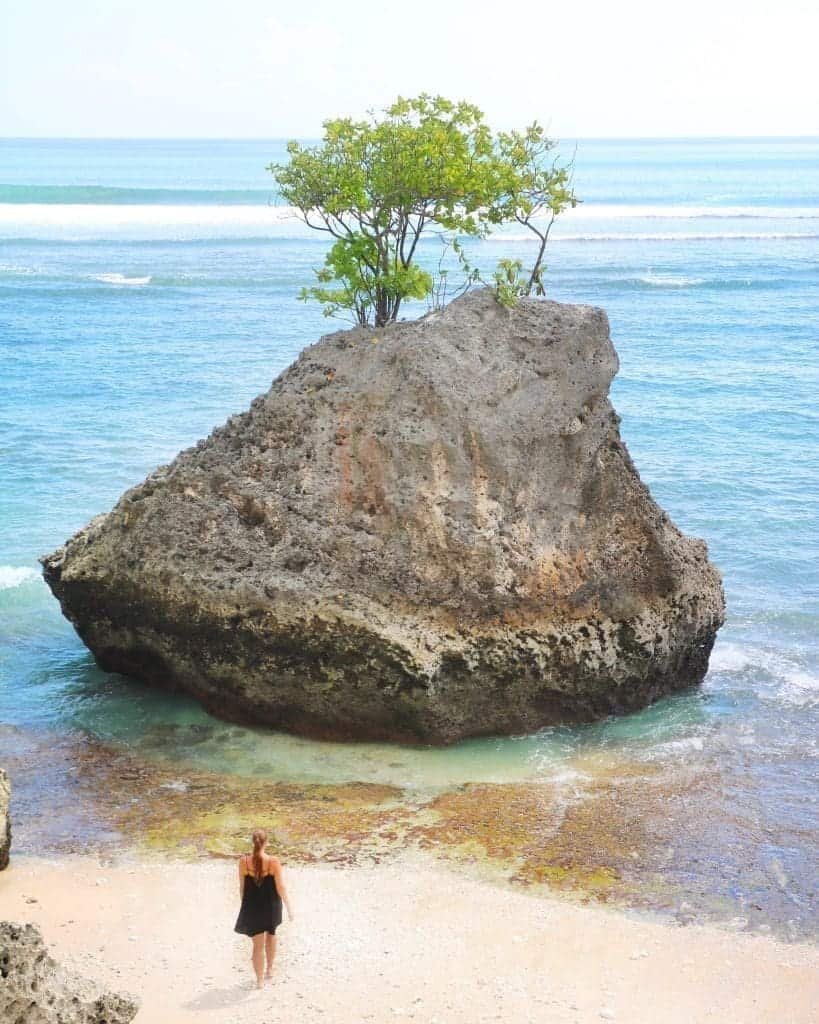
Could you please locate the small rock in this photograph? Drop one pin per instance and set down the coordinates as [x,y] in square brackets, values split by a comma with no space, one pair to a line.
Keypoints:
[51,994]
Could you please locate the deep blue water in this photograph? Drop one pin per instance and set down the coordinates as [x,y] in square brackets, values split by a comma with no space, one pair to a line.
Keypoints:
[148,290]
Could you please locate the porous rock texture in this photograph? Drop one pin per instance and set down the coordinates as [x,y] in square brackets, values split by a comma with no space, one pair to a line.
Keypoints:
[34,989]
[426,531]
[5,820]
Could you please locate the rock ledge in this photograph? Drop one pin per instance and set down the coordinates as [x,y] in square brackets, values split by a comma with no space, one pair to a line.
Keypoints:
[34,989]
[5,820]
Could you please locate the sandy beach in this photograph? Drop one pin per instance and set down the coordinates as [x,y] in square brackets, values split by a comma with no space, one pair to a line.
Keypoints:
[404,940]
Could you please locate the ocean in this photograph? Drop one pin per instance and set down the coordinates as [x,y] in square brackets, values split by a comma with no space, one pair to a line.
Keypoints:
[148,290]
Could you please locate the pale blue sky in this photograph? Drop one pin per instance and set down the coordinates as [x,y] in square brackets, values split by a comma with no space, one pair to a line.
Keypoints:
[260,68]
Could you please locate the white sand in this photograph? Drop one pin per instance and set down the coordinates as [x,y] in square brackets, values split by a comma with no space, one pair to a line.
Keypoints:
[404,941]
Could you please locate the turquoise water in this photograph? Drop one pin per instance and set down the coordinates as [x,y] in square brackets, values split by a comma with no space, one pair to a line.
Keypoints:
[147,291]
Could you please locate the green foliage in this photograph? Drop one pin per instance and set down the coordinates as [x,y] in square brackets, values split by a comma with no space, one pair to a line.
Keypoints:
[352,280]
[378,185]
[509,282]
[535,191]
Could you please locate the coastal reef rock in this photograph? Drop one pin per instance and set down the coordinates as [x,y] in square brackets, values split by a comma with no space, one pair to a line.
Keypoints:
[421,532]
[5,820]
[34,989]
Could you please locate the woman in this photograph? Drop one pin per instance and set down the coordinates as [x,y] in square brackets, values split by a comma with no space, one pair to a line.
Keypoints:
[261,891]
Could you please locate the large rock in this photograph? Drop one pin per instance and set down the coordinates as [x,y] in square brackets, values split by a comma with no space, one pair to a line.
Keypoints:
[422,532]
[5,820]
[34,989]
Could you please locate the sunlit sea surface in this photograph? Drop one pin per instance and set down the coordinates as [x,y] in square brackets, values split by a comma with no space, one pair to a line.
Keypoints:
[148,290]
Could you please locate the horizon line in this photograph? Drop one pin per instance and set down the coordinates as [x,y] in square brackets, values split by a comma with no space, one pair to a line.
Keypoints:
[282,138]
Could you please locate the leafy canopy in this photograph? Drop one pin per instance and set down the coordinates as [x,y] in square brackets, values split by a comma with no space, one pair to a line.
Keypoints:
[428,165]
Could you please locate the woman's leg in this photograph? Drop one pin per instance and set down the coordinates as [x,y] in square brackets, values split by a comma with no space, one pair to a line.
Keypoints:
[270,952]
[258,958]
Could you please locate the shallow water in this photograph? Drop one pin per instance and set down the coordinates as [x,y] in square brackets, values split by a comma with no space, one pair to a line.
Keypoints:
[147,291]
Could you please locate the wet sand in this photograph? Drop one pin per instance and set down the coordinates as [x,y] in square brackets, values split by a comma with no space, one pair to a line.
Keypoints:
[408,939]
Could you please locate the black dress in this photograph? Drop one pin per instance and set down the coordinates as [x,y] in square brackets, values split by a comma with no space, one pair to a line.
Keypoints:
[261,909]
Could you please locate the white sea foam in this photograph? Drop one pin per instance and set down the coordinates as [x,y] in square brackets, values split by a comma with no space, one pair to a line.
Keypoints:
[604,213]
[612,211]
[727,657]
[681,746]
[17,269]
[670,280]
[13,575]
[87,221]
[667,236]
[781,679]
[800,688]
[568,776]
[121,279]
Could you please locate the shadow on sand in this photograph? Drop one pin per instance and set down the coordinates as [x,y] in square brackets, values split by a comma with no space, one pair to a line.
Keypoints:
[221,998]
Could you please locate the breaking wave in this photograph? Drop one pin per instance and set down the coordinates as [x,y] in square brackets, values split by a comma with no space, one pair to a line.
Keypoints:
[14,575]
[776,676]
[121,279]
[80,221]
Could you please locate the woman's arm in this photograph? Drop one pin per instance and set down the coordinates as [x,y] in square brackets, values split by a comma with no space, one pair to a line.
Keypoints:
[277,875]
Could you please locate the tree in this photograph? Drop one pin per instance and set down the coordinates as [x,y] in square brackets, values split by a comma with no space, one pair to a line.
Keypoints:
[535,190]
[428,165]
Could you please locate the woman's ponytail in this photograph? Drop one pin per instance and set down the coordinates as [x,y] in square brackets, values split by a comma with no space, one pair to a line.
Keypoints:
[259,841]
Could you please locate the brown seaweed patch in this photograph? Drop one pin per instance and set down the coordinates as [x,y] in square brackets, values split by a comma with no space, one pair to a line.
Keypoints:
[589,842]
[214,815]
[102,800]
[99,799]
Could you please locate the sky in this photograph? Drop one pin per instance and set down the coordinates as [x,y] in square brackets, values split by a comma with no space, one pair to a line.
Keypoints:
[265,69]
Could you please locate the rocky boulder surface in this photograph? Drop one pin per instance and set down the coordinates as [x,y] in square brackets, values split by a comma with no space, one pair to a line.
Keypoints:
[34,989]
[421,532]
[5,820]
